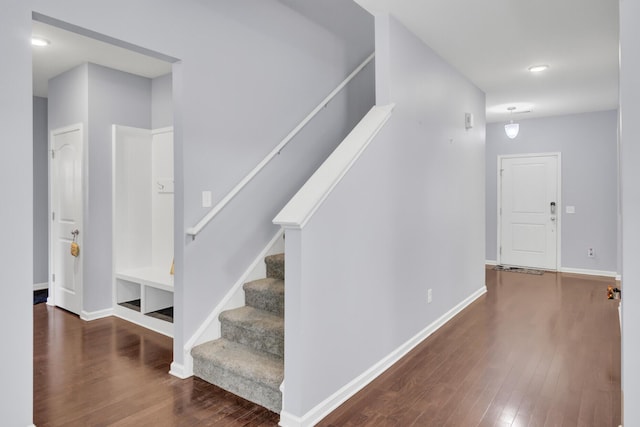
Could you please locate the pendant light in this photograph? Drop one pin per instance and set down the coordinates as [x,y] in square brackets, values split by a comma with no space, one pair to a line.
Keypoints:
[511,129]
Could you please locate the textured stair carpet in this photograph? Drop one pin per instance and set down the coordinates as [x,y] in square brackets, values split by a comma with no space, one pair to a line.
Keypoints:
[249,358]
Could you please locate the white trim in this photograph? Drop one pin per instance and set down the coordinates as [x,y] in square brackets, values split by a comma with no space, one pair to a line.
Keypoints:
[210,329]
[167,129]
[332,402]
[588,272]
[316,190]
[177,370]
[141,319]
[40,286]
[620,314]
[559,218]
[193,231]
[490,262]
[94,315]
[619,277]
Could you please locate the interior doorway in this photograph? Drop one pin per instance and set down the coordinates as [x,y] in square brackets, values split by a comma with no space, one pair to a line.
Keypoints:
[67,189]
[61,48]
[529,210]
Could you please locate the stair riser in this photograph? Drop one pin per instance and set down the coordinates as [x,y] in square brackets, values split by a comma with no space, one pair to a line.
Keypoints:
[258,340]
[267,301]
[275,268]
[246,388]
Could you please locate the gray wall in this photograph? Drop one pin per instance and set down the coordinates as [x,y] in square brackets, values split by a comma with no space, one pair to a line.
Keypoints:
[413,203]
[69,99]
[40,191]
[162,102]
[98,97]
[16,255]
[114,98]
[265,67]
[630,196]
[588,143]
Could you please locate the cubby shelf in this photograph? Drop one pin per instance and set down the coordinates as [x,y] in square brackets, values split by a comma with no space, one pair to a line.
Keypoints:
[143,226]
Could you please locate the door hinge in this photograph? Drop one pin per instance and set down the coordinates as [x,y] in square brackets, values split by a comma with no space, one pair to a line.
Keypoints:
[500,250]
[53,154]
[53,277]
[501,170]
[53,216]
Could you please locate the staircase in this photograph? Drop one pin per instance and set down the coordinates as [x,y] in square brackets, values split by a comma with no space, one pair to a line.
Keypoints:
[249,358]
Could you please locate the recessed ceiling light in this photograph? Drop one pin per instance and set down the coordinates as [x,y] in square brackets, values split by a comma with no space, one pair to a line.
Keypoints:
[538,68]
[39,41]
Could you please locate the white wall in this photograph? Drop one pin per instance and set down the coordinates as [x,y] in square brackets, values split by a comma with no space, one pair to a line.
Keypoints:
[408,216]
[16,254]
[588,143]
[630,197]
[40,191]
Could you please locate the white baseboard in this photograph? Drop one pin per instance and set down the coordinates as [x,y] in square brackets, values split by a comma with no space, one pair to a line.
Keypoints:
[40,286]
[619,277]
[324,408]
[490,262]
[210,329]
[588,272]
[177,370]
[94,315]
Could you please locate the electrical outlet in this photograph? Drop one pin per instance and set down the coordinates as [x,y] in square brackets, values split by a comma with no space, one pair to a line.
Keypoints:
[591,253]
[429,296]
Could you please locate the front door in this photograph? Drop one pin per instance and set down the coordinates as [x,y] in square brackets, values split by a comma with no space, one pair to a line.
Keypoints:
[66,215]
[529,211]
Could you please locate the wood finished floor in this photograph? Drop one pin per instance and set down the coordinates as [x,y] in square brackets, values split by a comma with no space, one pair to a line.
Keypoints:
[110,372]
[534,351]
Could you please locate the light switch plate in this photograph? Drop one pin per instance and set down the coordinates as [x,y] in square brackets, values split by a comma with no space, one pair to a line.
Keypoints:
[571,209]
[206,199]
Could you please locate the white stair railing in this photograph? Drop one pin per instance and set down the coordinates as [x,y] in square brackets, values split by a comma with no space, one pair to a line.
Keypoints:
[195,230]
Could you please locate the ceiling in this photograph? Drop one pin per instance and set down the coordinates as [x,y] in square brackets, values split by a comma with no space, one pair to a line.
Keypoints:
[491,42]
[494,42]
[67,50]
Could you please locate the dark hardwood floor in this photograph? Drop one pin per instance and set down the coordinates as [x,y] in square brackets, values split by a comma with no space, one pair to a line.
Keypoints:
[110,372]
[534,351]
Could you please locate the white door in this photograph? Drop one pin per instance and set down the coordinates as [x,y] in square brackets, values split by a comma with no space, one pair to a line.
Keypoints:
[528,211]
[66,215]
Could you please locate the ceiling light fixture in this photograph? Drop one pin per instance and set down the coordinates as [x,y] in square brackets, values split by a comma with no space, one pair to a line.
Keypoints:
[39,41]
[512,129]
[538,68]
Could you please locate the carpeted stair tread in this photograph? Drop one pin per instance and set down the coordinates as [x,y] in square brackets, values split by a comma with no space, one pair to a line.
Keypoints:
[251,374]
[249,358]
[275,266]
[265,294]
[250,326]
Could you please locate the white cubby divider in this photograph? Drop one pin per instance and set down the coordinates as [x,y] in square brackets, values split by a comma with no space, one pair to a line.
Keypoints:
[143,226]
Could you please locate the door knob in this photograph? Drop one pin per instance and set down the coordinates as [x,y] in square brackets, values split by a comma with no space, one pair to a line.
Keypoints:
[75,232]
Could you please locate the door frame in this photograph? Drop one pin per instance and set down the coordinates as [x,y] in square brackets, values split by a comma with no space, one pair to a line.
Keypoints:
[83,141]
[558,156]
